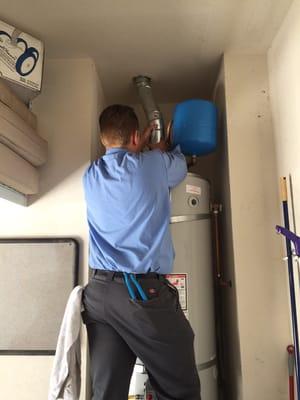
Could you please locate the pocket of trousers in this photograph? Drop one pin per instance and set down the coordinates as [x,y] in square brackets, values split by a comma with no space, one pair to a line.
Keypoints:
[165,296]
[160,318]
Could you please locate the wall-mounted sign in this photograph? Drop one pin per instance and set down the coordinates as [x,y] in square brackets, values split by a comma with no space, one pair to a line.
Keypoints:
[21,57]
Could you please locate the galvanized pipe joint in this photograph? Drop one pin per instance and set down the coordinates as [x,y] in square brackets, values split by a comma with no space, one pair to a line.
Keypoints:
[152,111]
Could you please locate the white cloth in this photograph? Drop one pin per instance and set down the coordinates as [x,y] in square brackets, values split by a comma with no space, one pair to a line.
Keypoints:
[65,380]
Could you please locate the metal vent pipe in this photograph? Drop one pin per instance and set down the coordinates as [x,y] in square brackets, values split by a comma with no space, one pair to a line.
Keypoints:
[153,113]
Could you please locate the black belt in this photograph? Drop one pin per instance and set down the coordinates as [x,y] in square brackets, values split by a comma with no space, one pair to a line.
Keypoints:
[111,275]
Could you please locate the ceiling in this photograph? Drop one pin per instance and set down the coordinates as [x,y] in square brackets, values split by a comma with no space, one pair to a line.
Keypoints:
[178,43]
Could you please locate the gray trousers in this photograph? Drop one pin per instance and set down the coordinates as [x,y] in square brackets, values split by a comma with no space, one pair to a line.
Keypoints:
[156,331]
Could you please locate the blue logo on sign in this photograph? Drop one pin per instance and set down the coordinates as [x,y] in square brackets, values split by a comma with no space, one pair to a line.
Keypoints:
[26,62]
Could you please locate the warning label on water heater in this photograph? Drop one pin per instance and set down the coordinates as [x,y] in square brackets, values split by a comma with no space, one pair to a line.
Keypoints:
[180,282]
[193,189]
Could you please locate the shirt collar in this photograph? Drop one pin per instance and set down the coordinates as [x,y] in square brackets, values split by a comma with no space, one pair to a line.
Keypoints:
[114,150]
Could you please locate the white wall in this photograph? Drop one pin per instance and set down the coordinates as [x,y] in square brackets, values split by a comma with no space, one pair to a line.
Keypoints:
[67,112]
[259,274]
[284,72]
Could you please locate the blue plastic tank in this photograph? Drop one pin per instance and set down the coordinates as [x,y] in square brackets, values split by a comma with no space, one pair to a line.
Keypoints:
[195,127]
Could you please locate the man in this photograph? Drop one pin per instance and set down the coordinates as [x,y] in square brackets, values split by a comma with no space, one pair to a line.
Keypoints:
[131,310]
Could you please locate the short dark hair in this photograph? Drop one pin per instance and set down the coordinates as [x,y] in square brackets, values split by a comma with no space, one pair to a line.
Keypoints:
[117,122]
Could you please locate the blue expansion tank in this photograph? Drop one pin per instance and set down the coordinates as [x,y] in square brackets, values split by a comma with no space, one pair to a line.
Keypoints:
[195,127]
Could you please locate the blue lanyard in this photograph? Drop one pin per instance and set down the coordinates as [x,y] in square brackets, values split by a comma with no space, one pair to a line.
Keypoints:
[136,284]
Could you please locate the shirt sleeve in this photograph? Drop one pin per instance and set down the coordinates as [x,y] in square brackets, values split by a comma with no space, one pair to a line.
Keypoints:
[176,166]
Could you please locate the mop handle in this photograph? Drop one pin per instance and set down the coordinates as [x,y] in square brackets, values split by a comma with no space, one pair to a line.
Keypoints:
[291,363]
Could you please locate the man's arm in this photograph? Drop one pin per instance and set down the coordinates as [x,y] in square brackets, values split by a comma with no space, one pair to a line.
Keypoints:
[145,136]
[174,161]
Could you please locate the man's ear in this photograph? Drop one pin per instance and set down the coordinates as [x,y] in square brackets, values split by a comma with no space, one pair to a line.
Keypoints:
[135,138]
[103,141]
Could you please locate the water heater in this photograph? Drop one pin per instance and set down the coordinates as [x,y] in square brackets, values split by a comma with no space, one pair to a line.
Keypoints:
[193,272]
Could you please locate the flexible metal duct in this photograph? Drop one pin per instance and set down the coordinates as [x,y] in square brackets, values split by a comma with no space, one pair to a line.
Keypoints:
[153,113]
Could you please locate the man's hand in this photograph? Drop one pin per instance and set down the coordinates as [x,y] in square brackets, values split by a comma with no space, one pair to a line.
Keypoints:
[147,132]
[163,146]
[145,136]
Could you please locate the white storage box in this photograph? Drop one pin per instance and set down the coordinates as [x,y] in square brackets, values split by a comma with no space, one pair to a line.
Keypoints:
[21,61]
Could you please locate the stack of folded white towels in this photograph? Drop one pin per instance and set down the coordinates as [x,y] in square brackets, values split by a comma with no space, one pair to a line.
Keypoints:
[22,150]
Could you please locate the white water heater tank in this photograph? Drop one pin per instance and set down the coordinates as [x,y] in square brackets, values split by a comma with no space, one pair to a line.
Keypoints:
[193,273]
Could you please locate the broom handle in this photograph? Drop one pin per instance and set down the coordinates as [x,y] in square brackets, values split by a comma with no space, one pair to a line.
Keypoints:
[291,281]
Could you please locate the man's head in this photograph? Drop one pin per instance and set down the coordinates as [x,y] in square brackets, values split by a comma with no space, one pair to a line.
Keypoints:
[119,127]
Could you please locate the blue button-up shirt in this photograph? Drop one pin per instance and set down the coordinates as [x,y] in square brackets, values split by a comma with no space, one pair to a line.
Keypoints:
[128,209]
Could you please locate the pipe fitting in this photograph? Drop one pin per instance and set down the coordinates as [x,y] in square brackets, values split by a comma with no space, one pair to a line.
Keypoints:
[152,111]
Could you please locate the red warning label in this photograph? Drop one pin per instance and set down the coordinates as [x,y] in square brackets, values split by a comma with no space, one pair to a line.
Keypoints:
[180,282]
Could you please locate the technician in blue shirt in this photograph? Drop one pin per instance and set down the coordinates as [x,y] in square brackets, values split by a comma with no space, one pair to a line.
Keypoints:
[131,310]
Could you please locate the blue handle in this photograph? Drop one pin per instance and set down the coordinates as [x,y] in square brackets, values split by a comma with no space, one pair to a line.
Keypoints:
[129,288]
[139,288]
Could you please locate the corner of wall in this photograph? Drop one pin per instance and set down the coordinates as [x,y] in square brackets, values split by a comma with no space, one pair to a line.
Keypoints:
[229,317]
